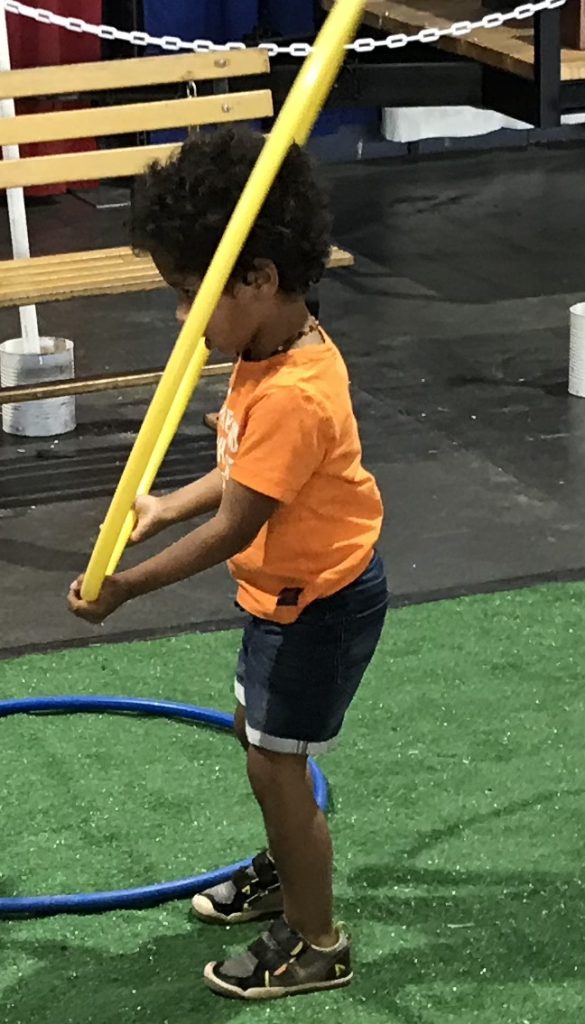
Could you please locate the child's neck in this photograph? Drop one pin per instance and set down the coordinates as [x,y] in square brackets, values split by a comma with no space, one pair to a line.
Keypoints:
[280,331]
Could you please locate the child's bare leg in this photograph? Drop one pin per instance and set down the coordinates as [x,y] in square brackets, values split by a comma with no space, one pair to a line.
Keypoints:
[240,733]
[299,841]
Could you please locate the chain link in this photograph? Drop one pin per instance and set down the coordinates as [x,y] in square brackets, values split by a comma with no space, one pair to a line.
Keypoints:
[172,44]
[494,20]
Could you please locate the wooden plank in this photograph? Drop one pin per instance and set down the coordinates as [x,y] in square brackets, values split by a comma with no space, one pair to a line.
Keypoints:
[101,382]
[509,48]
[79,277]
[484,45]
[122,253]
[107,163]
[46,291]
[339,258]
[96,272]
[112,163]
[573,65]
[135,117]
[131,73]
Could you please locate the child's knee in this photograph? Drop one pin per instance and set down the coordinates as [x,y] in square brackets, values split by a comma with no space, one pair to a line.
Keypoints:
[273,775]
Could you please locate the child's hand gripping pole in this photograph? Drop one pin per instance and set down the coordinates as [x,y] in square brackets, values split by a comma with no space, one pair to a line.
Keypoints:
[295,123]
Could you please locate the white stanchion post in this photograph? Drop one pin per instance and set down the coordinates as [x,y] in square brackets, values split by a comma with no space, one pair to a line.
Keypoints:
[16,206]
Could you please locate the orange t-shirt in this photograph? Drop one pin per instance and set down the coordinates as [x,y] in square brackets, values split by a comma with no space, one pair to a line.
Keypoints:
[288,430]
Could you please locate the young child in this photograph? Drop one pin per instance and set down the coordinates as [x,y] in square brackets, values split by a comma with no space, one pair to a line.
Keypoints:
[297,518]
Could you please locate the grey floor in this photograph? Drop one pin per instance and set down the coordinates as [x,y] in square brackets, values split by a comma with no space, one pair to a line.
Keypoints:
[455,325]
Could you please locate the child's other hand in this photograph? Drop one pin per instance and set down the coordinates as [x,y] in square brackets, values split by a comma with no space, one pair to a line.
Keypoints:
[113,594]
[150,518]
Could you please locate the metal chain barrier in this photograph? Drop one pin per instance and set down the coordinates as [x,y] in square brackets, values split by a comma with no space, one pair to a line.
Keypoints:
[173,44]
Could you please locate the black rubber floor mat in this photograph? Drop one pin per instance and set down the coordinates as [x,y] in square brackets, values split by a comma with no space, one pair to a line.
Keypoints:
[47,474]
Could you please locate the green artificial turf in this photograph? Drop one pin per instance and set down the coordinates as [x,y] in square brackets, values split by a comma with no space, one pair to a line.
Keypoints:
[458,824]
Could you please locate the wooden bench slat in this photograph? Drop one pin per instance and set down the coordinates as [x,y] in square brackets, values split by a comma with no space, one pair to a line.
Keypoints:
[131,73]
[134,117]
[127,162]
[100,274]
[95,272]
[106,163]
[123,255]
[120,252]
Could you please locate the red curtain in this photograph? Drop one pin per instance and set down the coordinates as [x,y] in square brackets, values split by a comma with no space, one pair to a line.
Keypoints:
[33,44]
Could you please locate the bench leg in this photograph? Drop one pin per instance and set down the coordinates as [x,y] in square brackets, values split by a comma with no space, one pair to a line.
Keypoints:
[547,68]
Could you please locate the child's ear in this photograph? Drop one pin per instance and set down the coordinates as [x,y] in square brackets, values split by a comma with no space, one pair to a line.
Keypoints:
[265,277]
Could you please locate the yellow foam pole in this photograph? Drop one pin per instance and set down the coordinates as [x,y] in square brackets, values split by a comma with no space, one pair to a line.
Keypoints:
[295,123]
[172,423]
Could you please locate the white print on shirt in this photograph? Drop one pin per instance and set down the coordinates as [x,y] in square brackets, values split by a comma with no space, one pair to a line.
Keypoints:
[228,440]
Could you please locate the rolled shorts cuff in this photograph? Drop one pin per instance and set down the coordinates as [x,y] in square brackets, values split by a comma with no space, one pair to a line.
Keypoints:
[240,693]
[277,744]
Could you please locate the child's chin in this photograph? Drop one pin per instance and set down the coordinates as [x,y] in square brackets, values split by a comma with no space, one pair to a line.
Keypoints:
[224,350]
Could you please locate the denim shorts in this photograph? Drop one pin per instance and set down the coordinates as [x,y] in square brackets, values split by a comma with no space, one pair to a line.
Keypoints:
[297,681]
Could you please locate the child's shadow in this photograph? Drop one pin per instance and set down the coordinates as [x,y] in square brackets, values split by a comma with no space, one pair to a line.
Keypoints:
[160,981]
[480,931]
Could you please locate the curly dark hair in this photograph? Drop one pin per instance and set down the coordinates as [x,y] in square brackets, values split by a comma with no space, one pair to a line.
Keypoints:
[181,209]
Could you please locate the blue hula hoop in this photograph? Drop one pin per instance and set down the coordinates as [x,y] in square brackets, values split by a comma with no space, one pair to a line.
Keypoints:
[144,896]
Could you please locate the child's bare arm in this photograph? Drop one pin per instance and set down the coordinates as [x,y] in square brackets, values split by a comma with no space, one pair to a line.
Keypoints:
[241,516]
[204,495]
[154,514]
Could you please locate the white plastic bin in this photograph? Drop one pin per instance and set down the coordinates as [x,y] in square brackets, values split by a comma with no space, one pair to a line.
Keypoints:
[577,351]
[47,417]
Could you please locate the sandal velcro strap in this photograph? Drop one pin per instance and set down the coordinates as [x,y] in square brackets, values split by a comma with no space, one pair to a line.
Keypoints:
[269,955]
[277,946]
[243,880]
[286,938]
[265,871]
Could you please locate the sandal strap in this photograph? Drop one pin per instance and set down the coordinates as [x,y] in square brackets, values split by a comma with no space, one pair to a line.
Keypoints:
[264,877]
[277,946]
[242,879]
[265,870]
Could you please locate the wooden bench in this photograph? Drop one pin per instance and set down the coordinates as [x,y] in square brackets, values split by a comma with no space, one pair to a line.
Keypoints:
[113,271]
[93,272]
[509,48]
